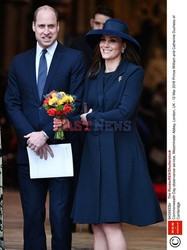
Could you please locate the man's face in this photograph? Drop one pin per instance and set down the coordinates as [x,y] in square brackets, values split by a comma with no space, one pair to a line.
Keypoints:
[98,21]
[46,28]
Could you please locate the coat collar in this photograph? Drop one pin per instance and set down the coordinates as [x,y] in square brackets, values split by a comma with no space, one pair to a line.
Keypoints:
[99,80]
[117,74]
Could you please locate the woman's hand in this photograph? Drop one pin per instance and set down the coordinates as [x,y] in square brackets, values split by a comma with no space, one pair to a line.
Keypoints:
[83,116]
[64,123]
[84,120]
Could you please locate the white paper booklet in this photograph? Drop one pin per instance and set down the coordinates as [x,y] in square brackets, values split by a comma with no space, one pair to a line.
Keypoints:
[61,165]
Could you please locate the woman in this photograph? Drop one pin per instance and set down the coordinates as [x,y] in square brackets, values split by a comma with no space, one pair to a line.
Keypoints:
[114,185]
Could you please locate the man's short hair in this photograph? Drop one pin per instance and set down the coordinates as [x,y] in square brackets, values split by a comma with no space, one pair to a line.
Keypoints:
[103,10]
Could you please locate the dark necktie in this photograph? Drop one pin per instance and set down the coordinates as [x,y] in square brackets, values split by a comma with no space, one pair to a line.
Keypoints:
[42,73]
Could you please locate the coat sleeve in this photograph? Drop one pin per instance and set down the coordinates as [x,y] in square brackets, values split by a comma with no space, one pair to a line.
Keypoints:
[129,100]
[14,106]
[76,86]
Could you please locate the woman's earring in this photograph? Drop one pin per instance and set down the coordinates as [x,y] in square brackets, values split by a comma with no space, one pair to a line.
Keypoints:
[122,50]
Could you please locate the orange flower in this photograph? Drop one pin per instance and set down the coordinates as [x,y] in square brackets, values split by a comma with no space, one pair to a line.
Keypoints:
[46,101]
[51,112]
[59,113]
[67,109]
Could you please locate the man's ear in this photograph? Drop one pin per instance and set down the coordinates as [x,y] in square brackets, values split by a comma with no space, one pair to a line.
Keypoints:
[91,22]
[33,26]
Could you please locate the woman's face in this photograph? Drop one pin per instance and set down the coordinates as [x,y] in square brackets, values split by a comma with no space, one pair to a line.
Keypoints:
[111,47]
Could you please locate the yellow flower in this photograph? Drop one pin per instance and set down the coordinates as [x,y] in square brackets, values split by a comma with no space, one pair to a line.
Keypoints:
[60,101]
[53,101]
[70,98]
[64,99]
[53,94]
[62,93]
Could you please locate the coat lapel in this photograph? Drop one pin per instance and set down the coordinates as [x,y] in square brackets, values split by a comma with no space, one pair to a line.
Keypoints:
[32,72]
[99,83]
[101,90]
[53,67]
[118,74]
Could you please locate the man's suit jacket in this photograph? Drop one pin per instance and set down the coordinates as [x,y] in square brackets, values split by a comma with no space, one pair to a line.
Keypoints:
[81,44]
[22,101]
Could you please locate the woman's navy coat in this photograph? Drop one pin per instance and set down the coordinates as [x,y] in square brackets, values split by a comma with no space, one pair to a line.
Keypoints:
[114,184]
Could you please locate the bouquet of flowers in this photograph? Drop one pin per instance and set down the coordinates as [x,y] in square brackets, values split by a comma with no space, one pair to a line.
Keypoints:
[59,104]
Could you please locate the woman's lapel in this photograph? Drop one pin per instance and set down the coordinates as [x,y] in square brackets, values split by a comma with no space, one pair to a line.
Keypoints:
[99,83]
[117,76]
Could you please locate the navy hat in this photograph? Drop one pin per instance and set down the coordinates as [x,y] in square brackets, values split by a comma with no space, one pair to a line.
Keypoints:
[113,27]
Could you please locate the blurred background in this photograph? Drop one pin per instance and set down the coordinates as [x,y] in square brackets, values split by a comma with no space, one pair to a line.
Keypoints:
[147,23]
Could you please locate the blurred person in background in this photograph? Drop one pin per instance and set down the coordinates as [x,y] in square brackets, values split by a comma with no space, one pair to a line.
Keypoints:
[101,14]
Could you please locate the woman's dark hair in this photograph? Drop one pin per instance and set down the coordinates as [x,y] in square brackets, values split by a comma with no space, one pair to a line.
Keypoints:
[130,54]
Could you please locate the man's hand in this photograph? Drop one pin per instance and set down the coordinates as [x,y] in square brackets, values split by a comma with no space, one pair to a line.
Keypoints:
[44,150]
[35,140]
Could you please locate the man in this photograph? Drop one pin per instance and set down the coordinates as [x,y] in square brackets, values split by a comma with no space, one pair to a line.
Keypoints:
[65,72]
[100,16]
